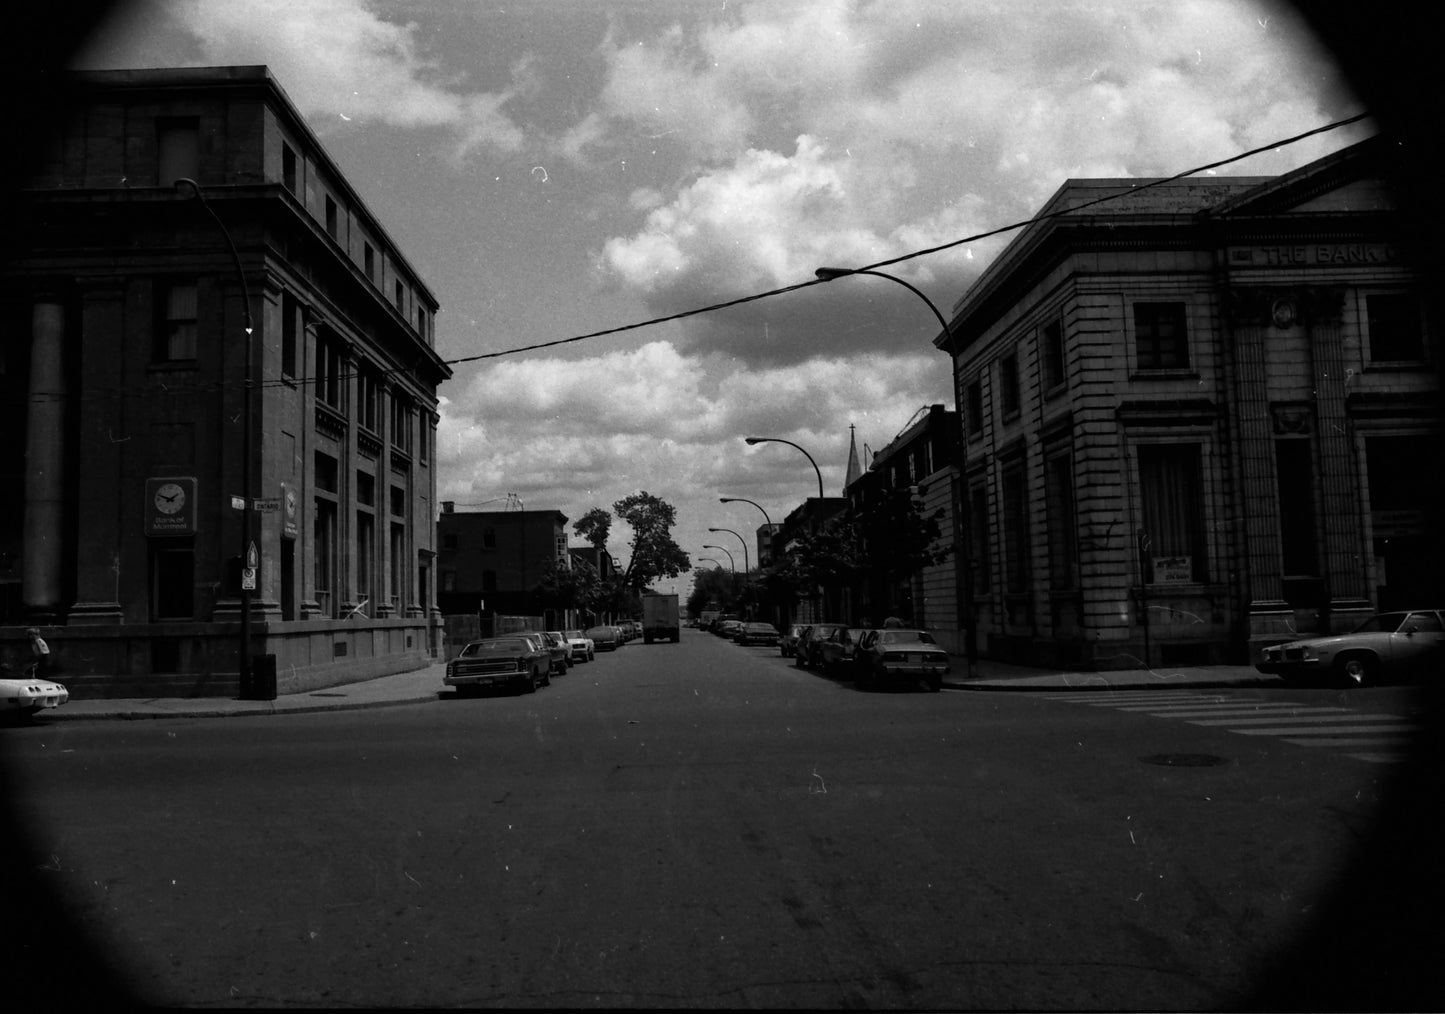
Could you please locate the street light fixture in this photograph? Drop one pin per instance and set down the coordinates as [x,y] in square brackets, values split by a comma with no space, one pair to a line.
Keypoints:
[738,499]
[747,567]
[963,571]
[779,440]
[708,559]
[720,549]
[248,551]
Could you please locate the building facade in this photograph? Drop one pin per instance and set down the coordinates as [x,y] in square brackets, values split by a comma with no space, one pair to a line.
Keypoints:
[492,561]
[1198,418]
[225,376]
[915,472]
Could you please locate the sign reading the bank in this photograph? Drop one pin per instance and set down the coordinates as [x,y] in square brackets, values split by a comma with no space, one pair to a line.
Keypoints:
[170,505]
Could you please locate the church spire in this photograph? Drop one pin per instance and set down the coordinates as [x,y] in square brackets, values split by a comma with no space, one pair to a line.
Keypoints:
[854,471]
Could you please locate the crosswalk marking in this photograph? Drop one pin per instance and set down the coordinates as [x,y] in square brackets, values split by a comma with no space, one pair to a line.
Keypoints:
[1375,739]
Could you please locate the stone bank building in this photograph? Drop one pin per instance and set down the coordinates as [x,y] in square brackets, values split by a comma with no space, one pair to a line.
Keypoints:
[1199,417]
[140,409]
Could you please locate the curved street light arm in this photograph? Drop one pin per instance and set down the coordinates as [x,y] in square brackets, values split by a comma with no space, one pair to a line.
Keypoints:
[779,440]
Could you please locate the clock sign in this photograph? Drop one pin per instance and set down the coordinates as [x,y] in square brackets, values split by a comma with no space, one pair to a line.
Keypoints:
[170,506]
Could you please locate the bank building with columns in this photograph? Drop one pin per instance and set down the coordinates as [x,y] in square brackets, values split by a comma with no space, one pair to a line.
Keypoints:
[219,380]
[1200,416]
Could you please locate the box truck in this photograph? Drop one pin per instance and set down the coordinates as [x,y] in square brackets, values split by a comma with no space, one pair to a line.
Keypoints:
[659,618]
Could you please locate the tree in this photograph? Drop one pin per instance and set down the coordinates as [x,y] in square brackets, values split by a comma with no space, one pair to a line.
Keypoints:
[654,553]
[594,526]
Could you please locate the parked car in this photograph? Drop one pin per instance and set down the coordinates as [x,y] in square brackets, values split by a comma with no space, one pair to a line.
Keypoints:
[837,653]
[515,660]
[788,643]
[1386,646]
[561,650]
[758,633]
[808,652]
[580,646]
[728,628]
[897,656]
[24,694]
[604,638]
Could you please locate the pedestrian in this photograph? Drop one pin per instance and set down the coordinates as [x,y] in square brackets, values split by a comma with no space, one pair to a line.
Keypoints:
[41,651]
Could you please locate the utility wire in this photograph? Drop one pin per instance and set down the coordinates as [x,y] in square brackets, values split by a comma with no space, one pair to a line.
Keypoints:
[741,300]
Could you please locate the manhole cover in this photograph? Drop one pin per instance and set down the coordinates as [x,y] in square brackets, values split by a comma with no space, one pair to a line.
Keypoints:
[1184,760]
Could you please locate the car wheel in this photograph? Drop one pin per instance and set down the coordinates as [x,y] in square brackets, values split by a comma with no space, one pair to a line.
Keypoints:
[799,661]
[865,680]
[1357,670]
[935,684]
[547,678]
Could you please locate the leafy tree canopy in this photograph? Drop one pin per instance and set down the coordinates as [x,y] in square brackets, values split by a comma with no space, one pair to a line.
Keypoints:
[594,526]
[654,553]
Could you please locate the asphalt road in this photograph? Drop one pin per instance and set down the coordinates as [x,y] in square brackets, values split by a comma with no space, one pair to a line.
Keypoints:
[703,825]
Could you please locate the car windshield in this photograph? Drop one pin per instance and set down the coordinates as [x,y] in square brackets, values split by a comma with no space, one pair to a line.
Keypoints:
[1384,623]
[574,635]
[497,644]
[906,637]
[760,627]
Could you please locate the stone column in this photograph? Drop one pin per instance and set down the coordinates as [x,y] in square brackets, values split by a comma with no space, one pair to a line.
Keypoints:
[44,531]
[1342,528]
[1252,316]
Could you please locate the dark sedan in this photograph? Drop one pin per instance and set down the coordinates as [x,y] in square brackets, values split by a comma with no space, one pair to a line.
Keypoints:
[757,633]
[604,638]
[901,657]
[838,652]
[515,660]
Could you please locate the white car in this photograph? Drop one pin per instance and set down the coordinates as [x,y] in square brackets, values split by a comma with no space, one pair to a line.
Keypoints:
[28,694]
[580,646]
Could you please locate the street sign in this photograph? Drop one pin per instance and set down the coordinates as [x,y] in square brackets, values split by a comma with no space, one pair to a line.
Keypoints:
[248,579]
[268,505]
[238,503]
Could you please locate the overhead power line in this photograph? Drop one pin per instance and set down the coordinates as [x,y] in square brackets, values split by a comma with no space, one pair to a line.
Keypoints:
[182,388]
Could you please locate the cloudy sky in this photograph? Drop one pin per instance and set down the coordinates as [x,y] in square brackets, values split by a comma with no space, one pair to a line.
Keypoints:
[556,168]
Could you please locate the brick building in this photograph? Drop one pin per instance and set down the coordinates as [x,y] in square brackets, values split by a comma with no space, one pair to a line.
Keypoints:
[923,460]
[1199,417]
[491,561]
[127,364]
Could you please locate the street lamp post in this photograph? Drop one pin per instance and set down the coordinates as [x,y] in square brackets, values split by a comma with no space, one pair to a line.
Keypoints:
[963,572]
[747,567]
[766,520]
[779,440]
[708,559]
[720,549]
[248,554]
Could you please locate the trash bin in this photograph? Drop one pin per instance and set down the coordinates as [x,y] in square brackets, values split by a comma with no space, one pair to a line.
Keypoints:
[263,679]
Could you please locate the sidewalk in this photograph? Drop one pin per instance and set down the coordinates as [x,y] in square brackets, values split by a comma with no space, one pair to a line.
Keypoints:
[991,675]
[426,684]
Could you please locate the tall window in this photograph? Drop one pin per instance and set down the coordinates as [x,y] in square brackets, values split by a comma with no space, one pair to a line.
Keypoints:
[331,218]
[975,408]
[288,167]
[401,423]
[325,534]
[1015,530]
[1159,336]
[1008,384]
[1051,354]
[1171,490]
[978,539]
[368,256]
[177,149]
[365,558]
[398,564]
[1295,473]
[400,297]
[329,359]
[1395,331]
[176,326]
[368,395]
[1059,505]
